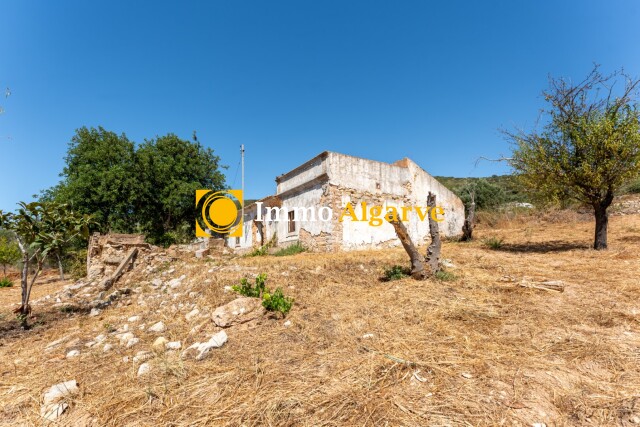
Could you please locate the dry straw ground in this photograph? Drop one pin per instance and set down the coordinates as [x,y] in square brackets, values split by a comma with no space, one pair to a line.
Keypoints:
[476,351]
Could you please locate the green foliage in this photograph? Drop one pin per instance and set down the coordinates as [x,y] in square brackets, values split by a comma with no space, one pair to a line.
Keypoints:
[248,290]
[445,276]
[99,178]
[395,272]
[632,188]
[272,301]
[42,229]
[9,252]
[493,242]
[261,251]
[510,189]
[76,263]
[277,302]
[149,189]
[293,249]
[170,170]
[590,144]
[5,282]
[485,194]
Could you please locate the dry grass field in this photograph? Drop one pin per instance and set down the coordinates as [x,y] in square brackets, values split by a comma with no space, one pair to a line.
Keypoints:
[475,350]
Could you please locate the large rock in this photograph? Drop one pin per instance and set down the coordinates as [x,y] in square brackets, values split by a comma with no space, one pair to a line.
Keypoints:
[158,327]
[200,350]
[238,311]
[53,405]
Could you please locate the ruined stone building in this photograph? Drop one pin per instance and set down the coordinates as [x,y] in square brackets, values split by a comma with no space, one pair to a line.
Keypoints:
[327,184]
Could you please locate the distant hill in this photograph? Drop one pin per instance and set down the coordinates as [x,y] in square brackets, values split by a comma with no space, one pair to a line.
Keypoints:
[513,190]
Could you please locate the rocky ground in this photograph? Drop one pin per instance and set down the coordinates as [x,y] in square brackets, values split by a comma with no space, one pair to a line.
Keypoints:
[171,344]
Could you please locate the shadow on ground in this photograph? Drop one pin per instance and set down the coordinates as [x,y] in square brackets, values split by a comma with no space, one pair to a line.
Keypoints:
[543,247]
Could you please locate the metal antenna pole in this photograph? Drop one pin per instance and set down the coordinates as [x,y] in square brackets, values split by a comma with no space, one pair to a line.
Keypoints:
[242,156]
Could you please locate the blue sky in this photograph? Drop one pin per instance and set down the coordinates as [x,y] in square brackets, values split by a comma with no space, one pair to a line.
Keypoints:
[433,81]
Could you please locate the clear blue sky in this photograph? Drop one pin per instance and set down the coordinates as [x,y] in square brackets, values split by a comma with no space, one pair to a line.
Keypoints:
[433,81]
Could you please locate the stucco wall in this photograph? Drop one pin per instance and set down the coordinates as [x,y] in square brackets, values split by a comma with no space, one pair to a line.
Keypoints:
[333,180]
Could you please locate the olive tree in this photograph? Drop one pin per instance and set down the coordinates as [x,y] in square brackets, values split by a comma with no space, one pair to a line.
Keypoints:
[589,146]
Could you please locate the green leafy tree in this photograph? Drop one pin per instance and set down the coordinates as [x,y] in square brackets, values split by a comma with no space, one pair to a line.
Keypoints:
[589,146]
[170,170]
[100,178]
[149,189]
[9,252]
[485,194]
[39,231]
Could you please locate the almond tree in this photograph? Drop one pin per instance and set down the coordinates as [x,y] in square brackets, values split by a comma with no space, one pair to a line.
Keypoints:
[589,147]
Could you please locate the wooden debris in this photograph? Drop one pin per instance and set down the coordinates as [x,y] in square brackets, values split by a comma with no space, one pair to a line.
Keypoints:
[116,275]
[548,285]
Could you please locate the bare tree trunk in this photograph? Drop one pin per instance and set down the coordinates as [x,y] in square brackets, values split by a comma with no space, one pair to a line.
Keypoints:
[433,251]
[24,308]
[469,223]
[60,268]
[417,261]
[602,222]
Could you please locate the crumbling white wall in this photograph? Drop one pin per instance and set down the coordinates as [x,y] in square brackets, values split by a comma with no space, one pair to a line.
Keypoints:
[333,180]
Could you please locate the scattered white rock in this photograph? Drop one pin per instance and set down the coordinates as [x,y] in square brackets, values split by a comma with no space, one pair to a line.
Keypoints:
[538,425]
[174,283]
[132,342]
[192,314]
[447,263]
[287,323]
[159,343]
[367,336]
[95,312]
[156,283]
[141,356]
[133,319]
[240,310]
[107,347]
[200,350]
[125,359]
[144,369]
[52,411]
[125,337]
[158,327]
[467,375]
[90,344]
[100,338]
[173,345]
[73,353]
[56,343]
[61,391]
[228,288]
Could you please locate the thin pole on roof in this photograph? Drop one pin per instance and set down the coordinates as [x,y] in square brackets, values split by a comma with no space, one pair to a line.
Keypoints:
[242,156]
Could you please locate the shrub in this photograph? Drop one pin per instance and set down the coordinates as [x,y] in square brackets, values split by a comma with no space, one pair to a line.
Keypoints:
[493,242]
[487,195]
[277,302]
[76,264]
[5,282]
[445,276]
[261,251]
[633,187]
[248,290]
[272,301]
[396,272]
[296,248]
